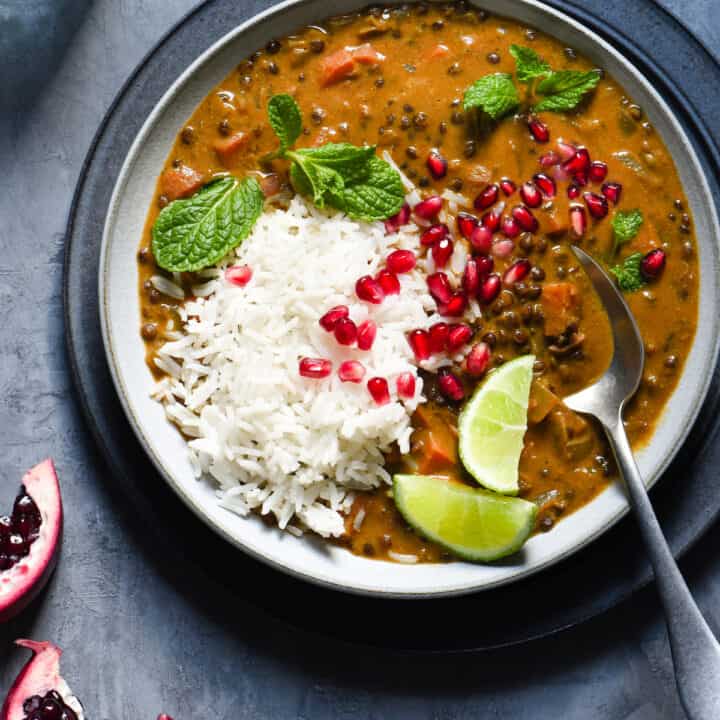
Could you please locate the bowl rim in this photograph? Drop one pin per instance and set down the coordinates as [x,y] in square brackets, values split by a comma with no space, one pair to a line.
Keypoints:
[122,390]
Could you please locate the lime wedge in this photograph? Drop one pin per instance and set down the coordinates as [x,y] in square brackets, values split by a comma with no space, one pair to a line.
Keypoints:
[493,423]
[475,524]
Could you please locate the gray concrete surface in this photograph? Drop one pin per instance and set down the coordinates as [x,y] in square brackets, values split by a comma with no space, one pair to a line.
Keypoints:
[134,645]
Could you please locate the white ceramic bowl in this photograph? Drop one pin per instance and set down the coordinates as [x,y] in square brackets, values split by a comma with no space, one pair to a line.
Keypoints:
[306,557]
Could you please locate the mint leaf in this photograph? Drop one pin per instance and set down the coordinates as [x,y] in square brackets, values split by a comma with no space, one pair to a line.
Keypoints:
[285,120]
[565,89]
[495,94]
[626,225]
[196,232]
[528,64]
[628,274]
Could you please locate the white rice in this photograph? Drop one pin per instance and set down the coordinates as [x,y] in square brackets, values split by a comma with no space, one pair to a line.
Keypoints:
[271,440]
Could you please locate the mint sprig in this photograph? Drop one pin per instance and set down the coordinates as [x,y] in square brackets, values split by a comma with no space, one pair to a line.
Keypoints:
[528,64]
[564,90]
[494,94]
[340,175]
[196,232]
[626,225]
[628,274]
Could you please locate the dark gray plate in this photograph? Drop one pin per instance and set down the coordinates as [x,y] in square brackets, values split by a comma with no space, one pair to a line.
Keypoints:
[687,499]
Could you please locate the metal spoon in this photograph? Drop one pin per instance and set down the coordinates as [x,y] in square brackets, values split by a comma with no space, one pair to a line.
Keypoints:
[695,651]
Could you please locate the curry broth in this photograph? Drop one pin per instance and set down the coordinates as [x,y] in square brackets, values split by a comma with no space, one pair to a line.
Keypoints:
[409,104]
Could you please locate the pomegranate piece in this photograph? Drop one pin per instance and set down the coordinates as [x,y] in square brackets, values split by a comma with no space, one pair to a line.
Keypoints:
[491,220]
[481,239]
[315,368]
[578,220]
[516,272]
[378,388]
[539,130]
[351,371]
[437,165]
[389,283]
[579,162]
[420,343]
[478,359]
[466,223]
[39,691]
[573,191]
[510,227]
[439,287]
[438,336]
[653,264]
[458,335]
[434,234]
[345,331]
[549,159]
[485,265]
[597,205]
[30,539]
[400,261]
[455,306]
[405,384]
[393,224]
[441,251]
[612,192]
[581,177]
[508,186]
[427,209]
[487,197]
[331,317]
[471,277]
[369,290]
[566,151]
[503,248]
[525,219]
[530,195]
[239,275]
[450,386]
[598,171]
[546,184]
[366,333]
[489,289]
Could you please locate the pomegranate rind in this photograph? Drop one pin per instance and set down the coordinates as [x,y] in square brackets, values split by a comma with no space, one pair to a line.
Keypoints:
[21,583]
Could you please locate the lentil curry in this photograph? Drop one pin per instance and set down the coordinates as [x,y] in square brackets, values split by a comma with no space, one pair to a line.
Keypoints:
[396,78]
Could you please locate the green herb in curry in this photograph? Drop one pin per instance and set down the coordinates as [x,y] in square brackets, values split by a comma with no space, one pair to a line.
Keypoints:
[628,275]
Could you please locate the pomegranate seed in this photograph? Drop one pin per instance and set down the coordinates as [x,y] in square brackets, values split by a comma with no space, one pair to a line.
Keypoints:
[458,335]
[438,336]
[546,184]
[239,275]
[434,234]
[573,192]
[471,277]
[525,219]
[503,248]
[579,162]
[406,385]
[389,283]
[612,191]
[368,289]
[345,331]
[653,264]
[455,306]
[578,220]
[491,220]
[427,209]
[539,130]
[566,150]
[549,159]
[378,388]
[437,165]
[530,195]
[420,343]
[466,224]
[478,359]
[485,265]
[481,239]
[441,251]
[366,333]
[508,186]
[516,272]
[400,261]
[351,371]
[439,287]
[314,367]
[330,318]
[450,386]
[487,197]
[510,227]
[489,289]
[393,224]
[598,171]
[581,177]
[597,205]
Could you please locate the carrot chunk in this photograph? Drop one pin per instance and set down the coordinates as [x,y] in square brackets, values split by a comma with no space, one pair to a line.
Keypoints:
[561,305]
[180,182]
[437,450]
[230,148]
[366,54]
[336,67]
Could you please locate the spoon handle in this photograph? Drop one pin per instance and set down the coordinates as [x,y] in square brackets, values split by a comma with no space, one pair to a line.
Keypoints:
[695,651]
